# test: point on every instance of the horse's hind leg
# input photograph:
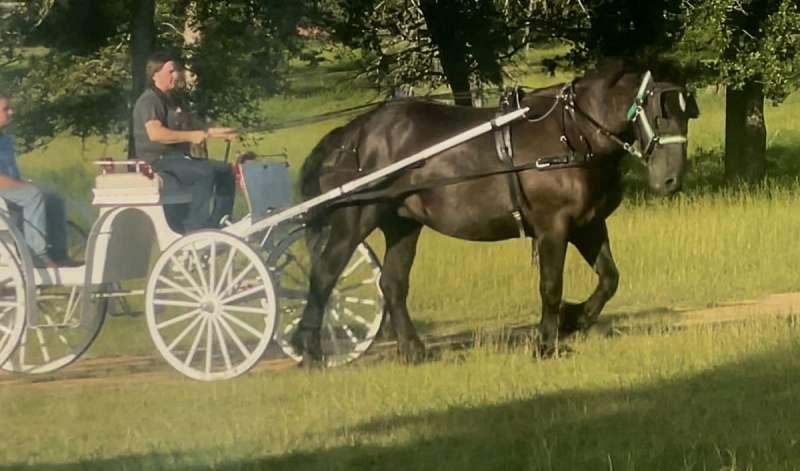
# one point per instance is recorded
(348, 227)
(592, 242)
(401, 246)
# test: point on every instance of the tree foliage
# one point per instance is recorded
(737, 41)
(72, 59)
(436, 42)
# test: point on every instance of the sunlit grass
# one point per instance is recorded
(696, 399)
(706, 398)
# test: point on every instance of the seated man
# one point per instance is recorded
(39, 209)
(163, 138)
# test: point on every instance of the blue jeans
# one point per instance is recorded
(34, 216)
(205, 179)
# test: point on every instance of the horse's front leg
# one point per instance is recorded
(552, 250)
(592, 242)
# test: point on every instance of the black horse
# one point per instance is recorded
(554, 176)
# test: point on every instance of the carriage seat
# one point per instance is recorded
(134, 188)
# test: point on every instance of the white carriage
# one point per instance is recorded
(214, 299)
(211, 297)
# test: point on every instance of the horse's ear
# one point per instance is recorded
(692, 110)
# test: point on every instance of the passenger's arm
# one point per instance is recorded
(8, 182)
(157, 132)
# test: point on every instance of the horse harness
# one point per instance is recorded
(646, 97)
(646, 104)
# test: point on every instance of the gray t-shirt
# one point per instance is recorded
(152, 107)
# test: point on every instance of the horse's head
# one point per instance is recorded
(660, 115)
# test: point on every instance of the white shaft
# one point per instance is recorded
(388, 170)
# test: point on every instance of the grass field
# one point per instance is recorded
(706, 398)
(702, 399)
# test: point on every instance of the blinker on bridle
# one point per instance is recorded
(637, 114)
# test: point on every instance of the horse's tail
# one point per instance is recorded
(311, 186)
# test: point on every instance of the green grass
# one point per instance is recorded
(706, 398)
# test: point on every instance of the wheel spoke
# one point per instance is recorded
(180, 318)
(242, 324)
(212, 264)
(361, 259)
(357, 318)
(334, 341)
(223, 346)
(354, 300)
(184, 333)
(243, 294)
(72, 303)
(226, 270)
(169, 302)
(179, 264)
(236, 280)
(239, 344)
(42, 345)
(288, 293)
(291, 326)
(180, 289)
(247, 309)
(199, 266)
(193, 350)
(209, 343)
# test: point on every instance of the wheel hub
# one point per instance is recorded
(208, 306)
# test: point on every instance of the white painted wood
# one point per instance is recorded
(210, 305)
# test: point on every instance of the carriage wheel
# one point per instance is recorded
(354, 312)
(12, 303)
(61, 335)
(76, 242)
(210, 306)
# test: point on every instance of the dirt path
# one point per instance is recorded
(112, 371)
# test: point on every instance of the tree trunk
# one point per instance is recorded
(143, 38)
(439, 18)
(745, 134)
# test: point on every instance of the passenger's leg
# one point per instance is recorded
(56, 215)
(34, 227)
(224, 191)
(198, 177)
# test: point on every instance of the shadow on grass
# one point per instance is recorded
(739, 416)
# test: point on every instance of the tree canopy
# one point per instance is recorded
(72, 59)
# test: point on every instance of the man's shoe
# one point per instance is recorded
(43, 261)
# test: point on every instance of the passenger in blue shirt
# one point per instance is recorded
(32, 200)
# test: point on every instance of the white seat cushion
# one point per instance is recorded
(135, 188)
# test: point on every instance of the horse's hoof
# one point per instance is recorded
(572, 318)
(411, 351)
(550, 351)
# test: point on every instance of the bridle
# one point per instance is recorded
(649, 98)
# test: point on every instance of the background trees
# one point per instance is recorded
(81, 63)
(752, 48)
(77, 65)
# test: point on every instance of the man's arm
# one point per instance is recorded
(9, 182)
(157, 132)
